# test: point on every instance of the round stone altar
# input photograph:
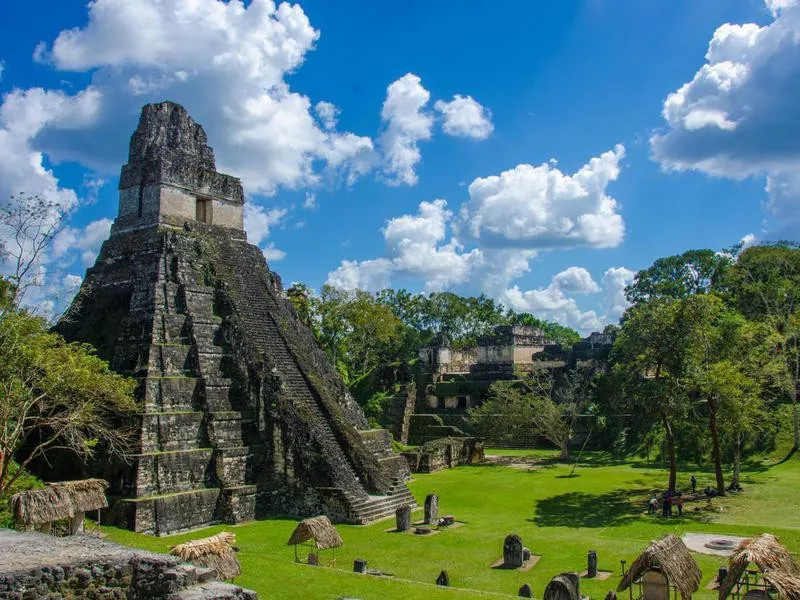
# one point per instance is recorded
(712, 543)
(721, 544)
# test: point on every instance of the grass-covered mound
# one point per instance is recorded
(601, 507)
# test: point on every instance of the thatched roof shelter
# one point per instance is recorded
(670, 556)
(772, 558)
(215, 552)
(319, 530)
(786, 584)
(60, 500)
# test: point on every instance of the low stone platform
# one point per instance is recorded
(704, 543)
(36, 565)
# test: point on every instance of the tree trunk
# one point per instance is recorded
(737, 458)
(716, 455)
(670, 440)
(564, 445)
(795, 421)
(796, 444)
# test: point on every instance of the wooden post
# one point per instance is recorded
(76, 523)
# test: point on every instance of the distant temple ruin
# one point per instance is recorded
(449, 381)
(508, 349)
(508, 352)
(242, 413)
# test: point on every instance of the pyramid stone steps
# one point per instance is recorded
(269, 338)
(176, 471)
(167, 431)
(237, 464)
(164, 514)
(170, 329)
(231, 429)
(171, 359)
(170, 394)
(239, 402)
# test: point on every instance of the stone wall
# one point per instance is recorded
(170, 168)
(38, 566)
(445, 453)
(398, 412)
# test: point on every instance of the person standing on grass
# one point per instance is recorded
(694, 484)
(652, 506)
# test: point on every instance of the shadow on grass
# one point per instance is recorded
(578, 509)
(598, 459)
(789, 456)
(510, 461)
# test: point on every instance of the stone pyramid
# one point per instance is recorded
(243, 415)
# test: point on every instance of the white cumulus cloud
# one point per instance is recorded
(257, 224)
(465, 117)
(541, 207)
(273, 254)
(328, 114)
(748, 240)
(739, 116)
(406, 124)
(776, 5)
(85, 242)
(371, 275)
(416, 246)
(555, 303)
(226, 62)
(576, 280)
(615, 280)
(23, 116)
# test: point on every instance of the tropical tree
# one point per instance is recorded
(711, 370)
(764, 285)
(544, 403)
(302, 298)
(507, 414)
(648, 363)
(331, 319)
(693, 272)
(357, 332)
(55, 395)
(375, 334)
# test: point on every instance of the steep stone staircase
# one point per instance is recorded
(265, 336)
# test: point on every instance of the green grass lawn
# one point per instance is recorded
(561, 517)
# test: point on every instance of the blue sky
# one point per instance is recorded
(540, 152)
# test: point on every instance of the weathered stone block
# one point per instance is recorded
(512, 551)
(431, 509)
(403, 518)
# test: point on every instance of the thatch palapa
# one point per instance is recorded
(61, 500)
(214, 552)
(318, 530)
(671, 556)
(786, 584)
(772, 558)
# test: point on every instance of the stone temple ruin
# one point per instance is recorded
(449, 381)
(242, 413)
